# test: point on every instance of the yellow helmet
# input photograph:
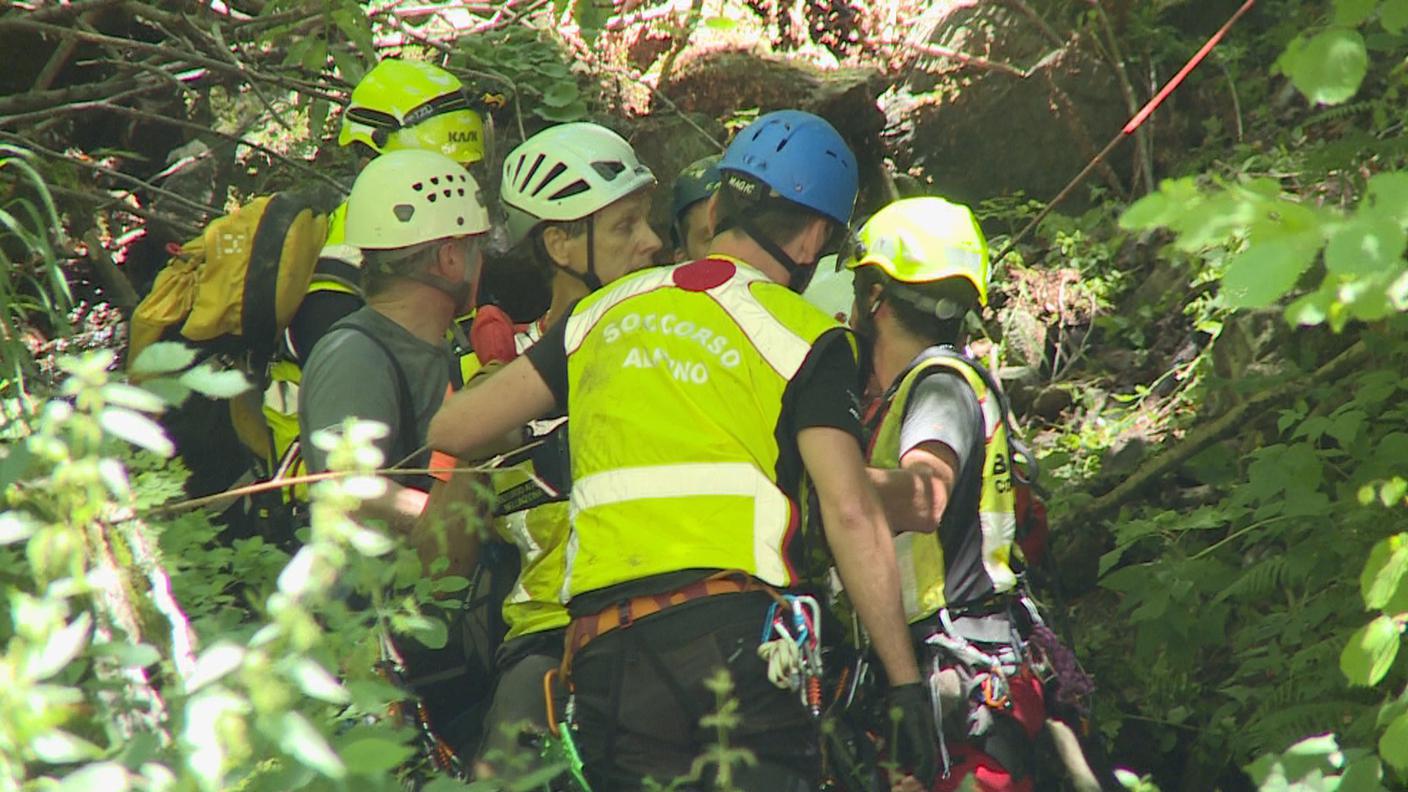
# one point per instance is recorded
(403, 104)
(922, 240)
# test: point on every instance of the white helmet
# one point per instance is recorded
(566, 173)
(832, 289)
(403, 198)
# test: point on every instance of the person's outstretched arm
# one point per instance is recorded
(473, 423)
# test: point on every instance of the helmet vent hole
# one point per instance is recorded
(447, 192)
(557, 170)
(459, 220)
(527, 177)
(609, 170)
(418, 186)
(461, 191)
(403, 212)
(435, 180)
(782, 143)
(575, 188)
(431, 197)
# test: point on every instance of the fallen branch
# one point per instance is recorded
(197, 59)
(108, 203)
(119, 175)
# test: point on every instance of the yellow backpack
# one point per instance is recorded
(235, 288)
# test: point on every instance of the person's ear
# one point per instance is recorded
(557, 242)
(711, 212)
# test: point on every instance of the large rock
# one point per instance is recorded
(1027, 117)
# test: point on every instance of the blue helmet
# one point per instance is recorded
(698, 181)
(802, 158)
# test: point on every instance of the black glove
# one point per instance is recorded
(915, 750)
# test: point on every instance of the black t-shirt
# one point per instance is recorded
(822, 394)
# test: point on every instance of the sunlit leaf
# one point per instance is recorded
(60, 650)
(163, 357)
(1384, 570)
(133, 398)
(304, 743)
(216, 384)
(1261, 274)
(1370, 652)
(314, 680)
(136, 429)
(1328, 67)
(102, 777)
(1367, 245)
(1352, 12)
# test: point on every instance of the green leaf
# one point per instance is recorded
(314, 680)
(60, 747)
(136, 429)
(1370, 652)
(720, 23)
(429, 631)
(133, 398)
(61, 648)
(1351, 13)
(171, 391)
(306, 744)
(348, 65)
(317, 118)
(1367, 245)
(1393, 745)
(1261, 274)
(1388, 562)
(374, 755)
(1313, 308)
(1329, 67)
(15, 526)
(1388, 193)
(316, 56)
(561, 94)
(216, 384)
(1362, 774)
(102, 777)
(1393, 15)
(138, 655)
(1393, 491)
(448, 584)
(163, 357)
(591, 15)
(570, 112)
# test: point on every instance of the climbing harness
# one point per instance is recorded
(412, 711)
(794, 655)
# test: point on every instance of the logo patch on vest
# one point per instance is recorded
(703, 275)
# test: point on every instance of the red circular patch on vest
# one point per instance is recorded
(704, 274)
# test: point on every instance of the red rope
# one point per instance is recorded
(1192, 64)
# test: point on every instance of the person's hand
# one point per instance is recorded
(916, 748)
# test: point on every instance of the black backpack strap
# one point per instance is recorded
(403, 389)
(1030, 470)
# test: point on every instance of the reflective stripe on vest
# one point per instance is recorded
(675, 395)
(921, 556)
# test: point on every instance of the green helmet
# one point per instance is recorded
(698, 181)
(403, 105)
(923, 240)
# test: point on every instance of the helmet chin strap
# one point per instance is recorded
(589, 279)
(798, 276)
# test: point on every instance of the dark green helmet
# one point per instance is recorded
(698, 181)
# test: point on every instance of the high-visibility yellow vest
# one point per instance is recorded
(539, 532)
(675, 396)
(921, 556)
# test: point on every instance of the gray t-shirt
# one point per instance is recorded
(347, 374)
(943, 407)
